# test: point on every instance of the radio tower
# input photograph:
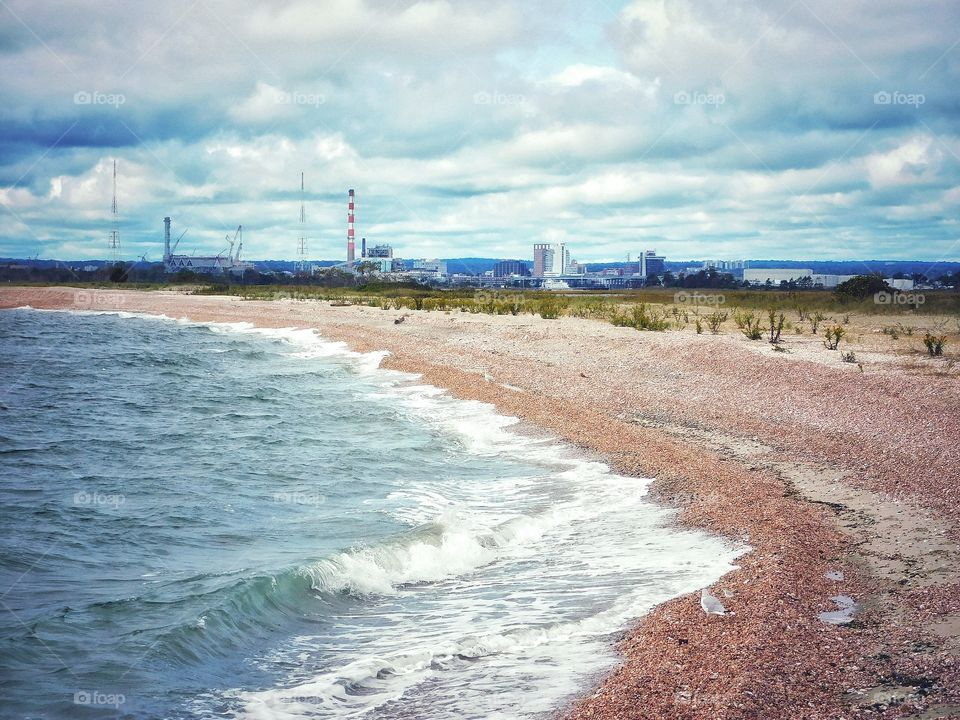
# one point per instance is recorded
(115, 230)
(302, 244)
(351, 247)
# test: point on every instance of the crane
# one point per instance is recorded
(174, 248)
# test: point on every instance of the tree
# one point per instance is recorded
(862, 286)
(118, 273)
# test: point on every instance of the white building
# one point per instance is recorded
(550, 259)
(760, 276)
(431, 265)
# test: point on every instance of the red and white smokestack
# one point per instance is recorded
(351, 246)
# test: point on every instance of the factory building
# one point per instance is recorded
(225, 262)
(775, 276)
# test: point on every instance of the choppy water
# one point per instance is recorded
(205, 520)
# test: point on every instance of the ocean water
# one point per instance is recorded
(203, 520)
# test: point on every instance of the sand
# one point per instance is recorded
(844, 480)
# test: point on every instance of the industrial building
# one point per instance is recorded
(435, 266)
(225, 262)
(775, 276)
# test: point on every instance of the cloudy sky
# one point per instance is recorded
(703, 129)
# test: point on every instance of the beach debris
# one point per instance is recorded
(400, 319)
(728, 593)
(488, 377)
(711, 605)
(833, 575)
(846, 608)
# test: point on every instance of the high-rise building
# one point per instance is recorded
(542, 259)
(550, 259)
(506, 268)
(651, 263)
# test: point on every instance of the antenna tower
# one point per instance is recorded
(115, 227)
(302, 243)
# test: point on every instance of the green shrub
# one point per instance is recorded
(715, 320)
(776, 325)
(751, 327)
(549, 309)
(934, 343)
(832, 337)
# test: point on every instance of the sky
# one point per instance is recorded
(789, 129)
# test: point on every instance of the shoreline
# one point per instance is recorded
(816, 489)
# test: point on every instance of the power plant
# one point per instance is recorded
(222, 263)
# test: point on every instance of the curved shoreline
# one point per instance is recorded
(688, 419)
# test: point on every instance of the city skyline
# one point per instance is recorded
(791, 131)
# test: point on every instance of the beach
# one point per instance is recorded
(841, 478)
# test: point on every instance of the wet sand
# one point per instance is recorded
(845, 481)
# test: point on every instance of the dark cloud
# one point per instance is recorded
(474, 128)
